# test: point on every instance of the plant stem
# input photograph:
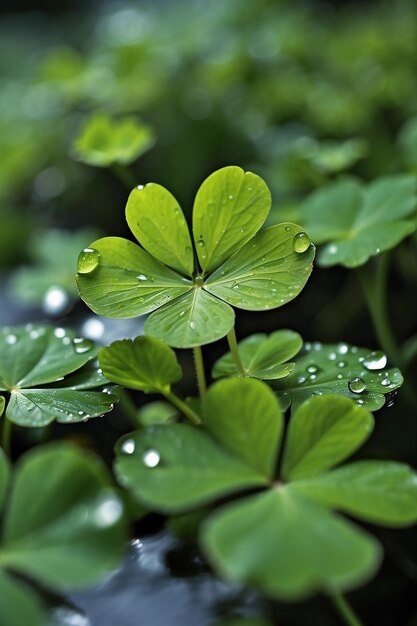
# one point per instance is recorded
(128, 406)
(345, 610)
(199, 368)
(125, 175)
(184, 408)
(6, 436)
(231, 338)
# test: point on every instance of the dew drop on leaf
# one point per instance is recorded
(88, 261)
(375, 360)
(301, 242)
(11, 339)
(357, 385)
(82, 345)
(200, 243)
(151, 458)
(128, 446)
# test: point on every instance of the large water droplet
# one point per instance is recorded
(88, 261)
(357, 385)
(151, 458)
(128, 446)
(375, 360)
(301, 242)
(199, 281)
(82, 345)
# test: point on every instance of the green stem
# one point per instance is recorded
(345, 610)
(184, 408)
(6, 435)
(231, 338)
(128, 406)
(125, 175)
(199, 368)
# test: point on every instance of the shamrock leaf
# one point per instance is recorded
(104, 140)
(262, 356)
(286, 541)
(41, 370)
(339, 369)
(368, 220)
(191, 301)
(71, 536)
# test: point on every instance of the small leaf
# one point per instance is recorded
(104, 140)
(4, 477)
(244, 416)
(158, 223)
(287, 546)
(194, 319)
(322, 369)
(263, 356)
(146, 364)
(19, 604)
(177, 467)
(266, 273)
(157, 412)
(321, 433)
(229, 208)
(128, 281)
(65, 531)
(381, 492)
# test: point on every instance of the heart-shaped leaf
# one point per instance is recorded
(146, 364)
(262, 356)
(368, 220)
(340, 369)
(321, 434)
(19, 604)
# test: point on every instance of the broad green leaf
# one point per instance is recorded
(127, 281)
(90, 376)
(4, 477)
(263, 356)
(157, 412)
(287, 546)
(178, 467)
(158, 223)
(194, 319)
(39, 407)
(229, 208)
(322, 369)
(321, 433)
(382, 492)
(245, 417)
(103, 140)
(19, 604)
(64, 525)
(368, 220)
(146, 364)
(266, 273)
(35, 355)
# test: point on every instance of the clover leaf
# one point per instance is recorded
(104, 141)
(192, 299)
(42, 375)
(63, 533)
(341, 369)
(262, 356)
(357, 222)
(285, 539)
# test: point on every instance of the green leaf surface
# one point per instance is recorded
(368, 220)
(323, 432)
(19, 604)
(64, 525)
(287, 546)
(194, 319)
(158, 223)
(90, 376)
(244, 416)
(229, 208)
(382, 492)
(178, 467)
(146, 364)
(104, 140)
(38, 407)
(322, 369)
(157, 412)
(4, 476)
(128, 281)
(262, 356)
(266, 273)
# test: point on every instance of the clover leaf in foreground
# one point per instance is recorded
(63, 533)
(341, 369)
(285, 538)
(192, 285)
(46, 375)
(357, 222)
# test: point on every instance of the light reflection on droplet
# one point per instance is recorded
(151, 458)
(128, 446)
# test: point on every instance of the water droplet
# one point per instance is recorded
(339, 376)
(198, 281)
(11, 339)
(301, 242)
(182, 313)
(235, 287)
(128, 446)
(108, 512)
(357, 385)
(375, 360)
(230, 197)
(312, 369)
(140, 187)
(142, 277)
(55, 301)
(385, 382)
(93, 328)
(59, 332)
(342, 349)
(287, 229)
(332, 249)
(200, 243)
(88, 261)
(341, 364)
(332, 356)
(301, 380)
(82, 345)
(151, 458)
(192, 325)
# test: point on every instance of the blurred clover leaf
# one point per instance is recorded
(330, 157)
(104, 141)
(357, 222)
(193, 289)
(62, 534)
(285, 540)
(262, 356)
(43, 378)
